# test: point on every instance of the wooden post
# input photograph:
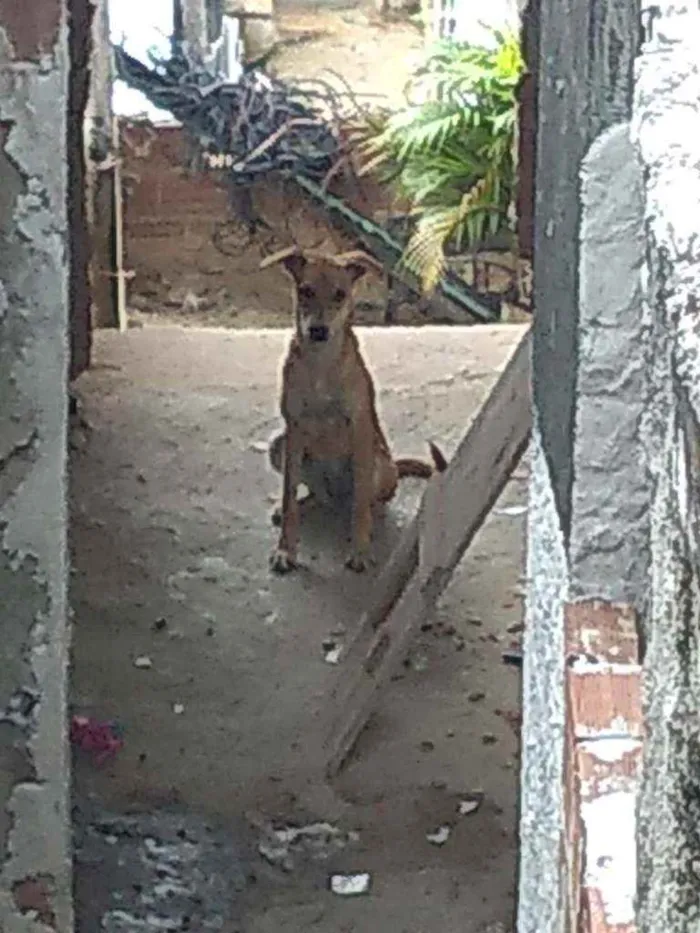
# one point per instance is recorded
(453, 509)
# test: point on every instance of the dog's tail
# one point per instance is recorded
(409, 466)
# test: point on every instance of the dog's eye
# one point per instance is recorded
(339, 295)
(306, 292)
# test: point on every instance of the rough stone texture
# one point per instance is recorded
(542, 761)
(585, 296)
(609, 541)
(35, 877)
(667, 118)
(585, 86)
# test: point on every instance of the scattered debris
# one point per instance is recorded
(512, 657)
(143, 662)
(470, 804)
(351, 885)
(282, 845)
(440, 836)
(100, 739)
(488, 738)
(331, 651)
(168, 871)
(21, 707)
(512, 511)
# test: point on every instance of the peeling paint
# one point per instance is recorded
(610, 853)
(35, 875)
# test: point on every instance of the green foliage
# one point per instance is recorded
(452, 151)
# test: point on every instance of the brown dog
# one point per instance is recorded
(333, 441)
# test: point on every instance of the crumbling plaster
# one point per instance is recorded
(665, 126)
(35, 872)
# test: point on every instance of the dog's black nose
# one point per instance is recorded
(318, 333)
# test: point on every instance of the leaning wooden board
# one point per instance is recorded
(453, 509)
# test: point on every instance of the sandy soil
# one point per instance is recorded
(170, 536)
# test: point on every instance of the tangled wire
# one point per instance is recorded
(260, 123)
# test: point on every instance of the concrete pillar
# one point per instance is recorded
(35, 867)
(666, 127)
(588, 519)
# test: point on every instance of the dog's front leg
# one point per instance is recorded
(363, 496)
(284, 558)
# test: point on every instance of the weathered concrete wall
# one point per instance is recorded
(588, 536)
(666, 125)
(35, 873)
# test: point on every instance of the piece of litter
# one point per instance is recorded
(100, 739)
(271, 618)
(303, 492)
(349, 885)
(512, 511)
(512, 657)
(468, 806)
(143, 662)
(332, 655)
(439, 837)
(260, 447)
(178, 709)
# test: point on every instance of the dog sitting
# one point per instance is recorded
(333, 442)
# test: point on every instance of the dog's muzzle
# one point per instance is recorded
(318, 333)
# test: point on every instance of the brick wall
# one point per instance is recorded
(172, 219)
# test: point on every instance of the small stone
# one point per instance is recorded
(458, 642)
(468, 805)
(475, 696)
(143, 662)
(488, 738)
(515, 628)
(178, 709)
(351, 885)
(159, 624)
(439, 837)
(427, 746)
(474, 621)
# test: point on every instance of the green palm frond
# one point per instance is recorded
(453, 151)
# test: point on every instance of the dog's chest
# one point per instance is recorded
(319, 396)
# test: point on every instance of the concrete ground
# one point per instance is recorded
(171, 497)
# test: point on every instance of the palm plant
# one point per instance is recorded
(452, 151)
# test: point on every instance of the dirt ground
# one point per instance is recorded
(376, 58)
(216, 671)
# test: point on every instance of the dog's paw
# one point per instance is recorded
(281, 561)
(358, 562)
(276, 516)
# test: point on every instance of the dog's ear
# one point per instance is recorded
(357, 270)
(295, 265)
(359, 263)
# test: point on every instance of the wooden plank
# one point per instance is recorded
(470, 486)
(478, 451)
(121, 274)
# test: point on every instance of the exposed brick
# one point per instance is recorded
(32, 28)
